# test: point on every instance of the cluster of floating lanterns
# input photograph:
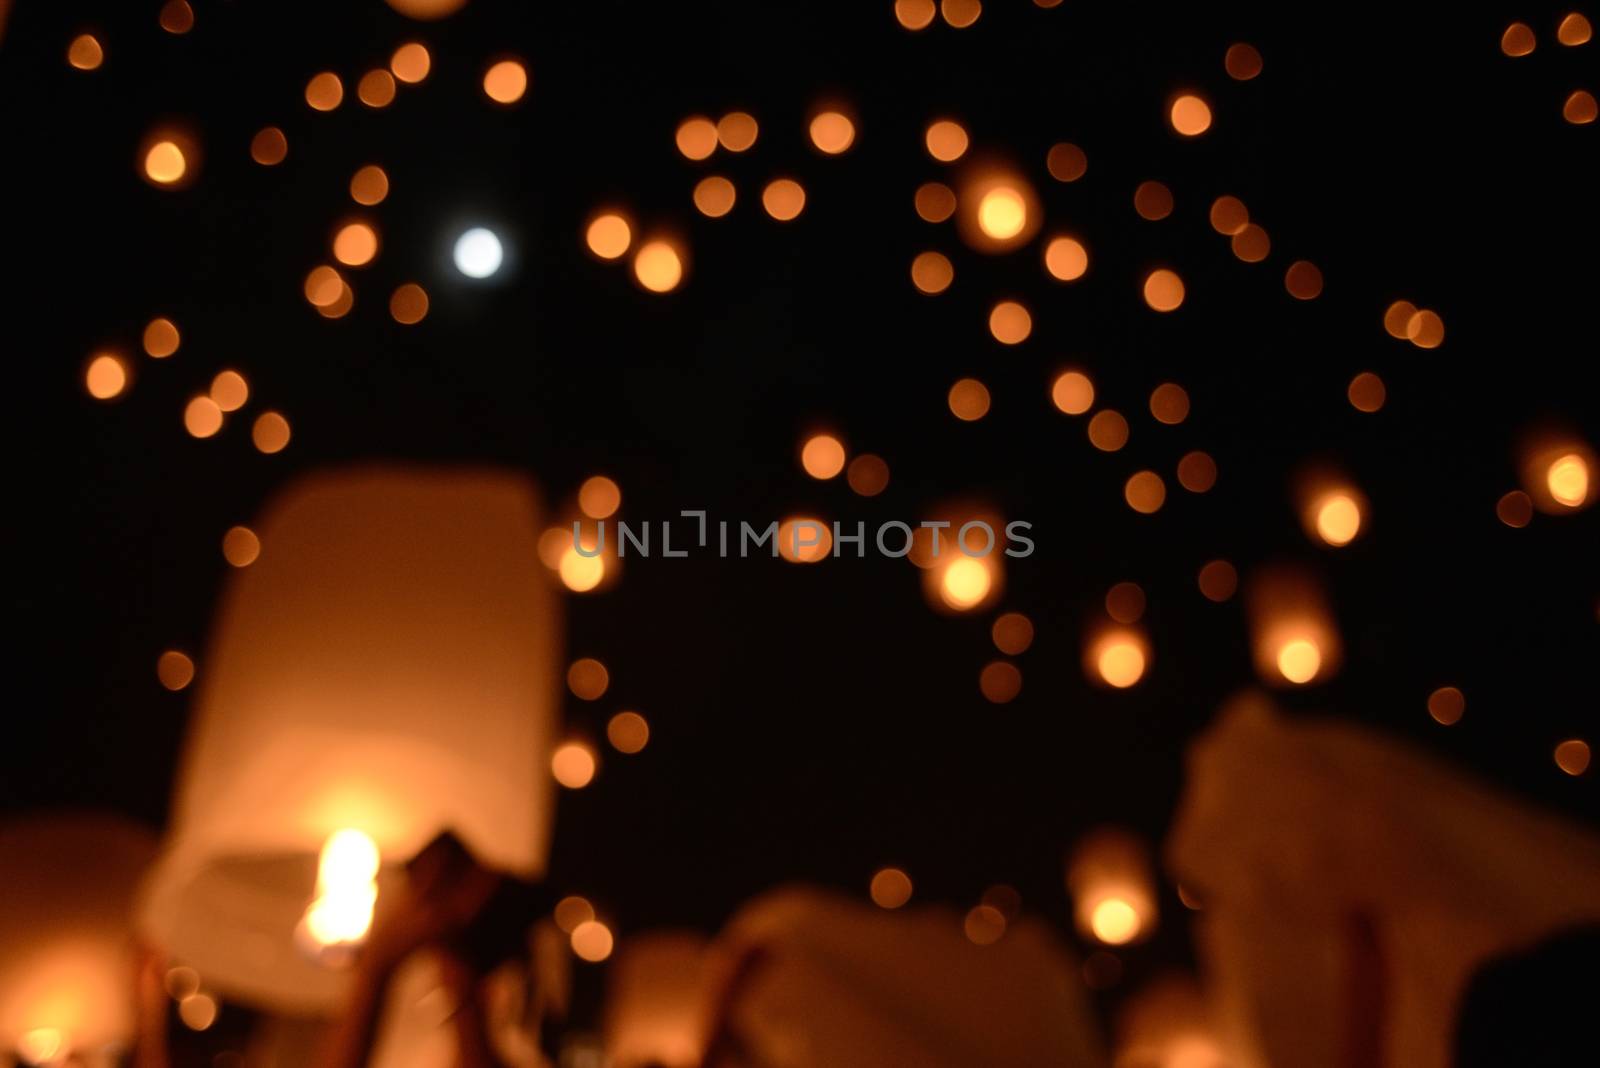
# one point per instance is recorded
(1574, 29)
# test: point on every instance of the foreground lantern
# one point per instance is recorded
(654, 1013)
(385, 671)
(1113, 890)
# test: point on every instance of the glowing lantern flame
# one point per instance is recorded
(347, 889)
(1292, 629)
(1112, 888)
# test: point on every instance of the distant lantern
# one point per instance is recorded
(505, 82)
(1558, 472)
(1112, 887)
(656, 987)
(67, 948)
(1117, 656)
(1293, 635)
(1332, 509)
(1190, 115)
(387, 669)
(478, 253)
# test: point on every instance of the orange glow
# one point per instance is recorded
(1338, 519)
(176, 17)
(1012, 633)
(935, 202)
(914, 14)
(946, 140)
(1000, 682)
(588, 679)
(505, 82)
(174, 670)
(1072, 392)
(1515, 509)
(697, 137)
(1152, 200)
(965, 582)
(1574, 30)
(608, 236)
(198, 1011)
(891, 888)
(657, 266)
(737, 131)
(1169, 403)
(1580, 108)
(592, 941)
(784, 199)
(376, 89)
(599, 497)
(1558, 472)
(1145, 492)
(202, 418)
(573, 765)
(1229, 215)
(1299, 660)
(1425, 329)
(1251, 244)
(1114, 922)
(1125, 602)
(961, 13)
(1572, 756)
(1446, 705)
(269, 147)
(408, 304)
(1066, 259)
(355, 245)
(164, 163)
(1190, 115)
(932, 272)
(341, 306)
(411, 63)
(270, 432)
(1010, 323)
(714, 196)
(1397, 317)
(369, 185)
(628, 732)
(1568, 480)
(1331, 509)
(1242, 62)
(804, 540)
(822, 456)
(1163, 290)
(324, 91)
(999, 210)
(1367, 392)
(1218, 581)
(1197, 472)
(229, 390)
(1066, 162)
(1002, 213)
(1303, 280)
(570, 911)
(832, 132)
(1118, 657)
(580, 573)
(1518, 40)
(85, 52)
(969, 400)
(1292, 632)
(240, 546)
(1108, 430)
(868, 475)
(106, 376)
(985, 925)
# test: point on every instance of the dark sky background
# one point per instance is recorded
(814, 723)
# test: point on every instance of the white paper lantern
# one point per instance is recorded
(387, 665)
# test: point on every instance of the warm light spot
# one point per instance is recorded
(347, 889)
(1152, 200)
(240, 546)
(891, 888)
(164, 163)
(181, 981)
(1397, 318)
(376, 89)
(570, 911)
(1114, 922)
(1002, 213)
(106, 376)
(505, 82)
(1066, 259)
(1242, 62)
(1229, 215)
(832, 132)
(1338, 519)
(1120, 660)
(592, 941)
(1518, 40)
(85, 52)
(1066, 162)
(737, 131)
(1000, 682)
(341, 306)
(1010, 323)
(1303, 280)
(324, 91)
(1446, 705)
(1108, 430)
(229, 390)
(985, 925)
(1218, 581)
(1572, 756)
(714, 196)
(1299, 660)
(608, 236)
(1169, 403)
(658, 267)
(1574, 30)
(868, 475)
(784, 199)
(804, 540)
(176, 17)
(573, 765)
(697, 137)
(1190, 115)
(408, 304)
(355, 244)
(202, 418)
(946, 140)
(965, 583)
(1163, 290)
(1568, 480)
(1145, 492)
(822, 456)
(969, 400)
(1012, 633)
(160, 338)
(270, 433)
(588, 679)
(580, 573)
(369, 185)
(1125, 602)
(41, 1045)
(932, 272)
(1072, 393)
(961, 13)
(1515, 509)
(174, 670)
(599, 497)
(1251, 244)
(914, 14)
(411, 62)
(1580, 108)
(198, 1011)
(628, 732)
(269, 147)
(935, 202)
(1197, 472)
(1425, 329)
(1367, 392)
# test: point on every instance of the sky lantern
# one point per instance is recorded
(997, 209)
(1332, 508)
(962, 560)
(1293, 634)
(387, 671)
(654, 1013)
(1559, 472)
(1112, 887)
(67, 960)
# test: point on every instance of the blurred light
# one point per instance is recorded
(1568, 480)
(270, 432)
(935, 202)
(164, 163)
(1114, 922)
(1125, 602)
(628, 732)
(1446, 705)
(198, 1011)
(965, 582)
(408, 304)
(1010, 323)
(347, 872)
(85, 52)
(1229, 215)
(1108, 430)
(1574, 30)
(478, 253)
(608, 235)
(1303, 280)
(341, 305)
(573, 765)
(968, 400)
(1118, 657)
(1397, 318)
(588, 678)
(822, 456)
(580, 573)
(697, 137)
(411, 62)
(1518, 40)
(1190, 115)
(1152, 200)
(42, 1045)
(427, 9)
(1163, 290)
(202, 418)
(1299, 660)
(946, 140)
(1072, 392)
(572, 910)
(1145, 492)
(1557, 472)
(376, 89)
(1012, 633)
(1169, 403)
(868, 475)
(999, 210)
(932, 272)
(832, 132)
(961, 13)
(657, 266)
(1242, 62)
(176, 17)
(1218, 581)
(784, 199)
(356, 244)
(1000, 682)
(1292, 630)
(891, 888)
(1515, 509)
(1425, 329)
(1337, 518)
(174, 670)
(1251, 244)
(804, 540)
(1066, 259)
(1197, 472)
(1367, 392)
(914, 14)
(1066, 162)
(181, 981)
(1572, 756)
(240, 546)
(229, 390)
(106, 376)
(714, 196)
(505, 82)
(737, 131)
(369, 185)
(1002, 213)
(324, 91)
(599, 497)
(985, 924)
(592, 941)
(269, 147)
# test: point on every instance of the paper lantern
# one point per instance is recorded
(655, 1001)
(1167, 1024)
(1292, 631)
(388, 666)
(66, 946)
(1112, 887)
